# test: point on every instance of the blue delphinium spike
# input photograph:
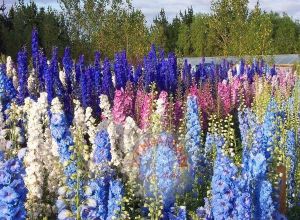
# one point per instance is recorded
(22, 75)
(193, 136)
(107, 84)
(119, 72)
(116, 192)
(150, 65)
(12, 189)
(35, 48)
(97, 190)
(7, 90)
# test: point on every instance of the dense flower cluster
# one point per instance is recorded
(158, 140)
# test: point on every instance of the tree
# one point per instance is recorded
(159, 30)
(199, 34)
(285, 34)
(227, 25)
(259, 39)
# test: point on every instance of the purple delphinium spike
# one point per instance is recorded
(22, 75)
(107, 84)
(35, 48)
(150, 65)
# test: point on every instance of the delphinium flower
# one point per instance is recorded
(235, 89)
(79, 132)
(113, 130)
(22, 75)
(137, 74)
(97, 189)
(90, 122)
(158, 117)
(131, 135)
(150, 65)
(35, 171)
(120, 72)
(12, 189)
(172, 60)
(7, 90)
(10, 68)
(138, 105)
(116, 191)
(33, 84)
(178, 111)
(266, 208)
(224, 97)
(105, 107)
(118, 108)
(160, 171)
(205, 212)
(49, 82)
(115, 136)
(180, 215)
(35, 48)
(269, 128)
(68, 68)
(292, 156)
(193, 136)
(107, 84)
(68, 199)
(57, 84)
(2, 131)
(223, 186)
(48, 153)
(206, 102)
(129, 99)
(14, 131)
(186, 74)
(146, 112)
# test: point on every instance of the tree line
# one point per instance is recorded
(109, 26)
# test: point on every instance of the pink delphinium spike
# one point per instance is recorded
(146, 111)
(193, 91)
(224, 95)
(129, 100)
(206, 102)
(138, 105)
(178, 112)
(118, 108)
(164, 97)
(235, 88)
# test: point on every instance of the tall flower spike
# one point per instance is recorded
(12, 190)
(22, 75)
(193, 136)
(35, 48)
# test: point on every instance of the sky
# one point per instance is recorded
(152, 7)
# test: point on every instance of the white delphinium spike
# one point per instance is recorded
(2, 131)
(50, 156)
(90, 122)
(79, 130)
(35, 172)
(32, 82)
(10, 70)
(62, 77)
(105, 107)
(130, 137)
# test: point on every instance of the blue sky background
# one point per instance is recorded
(151, 7)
